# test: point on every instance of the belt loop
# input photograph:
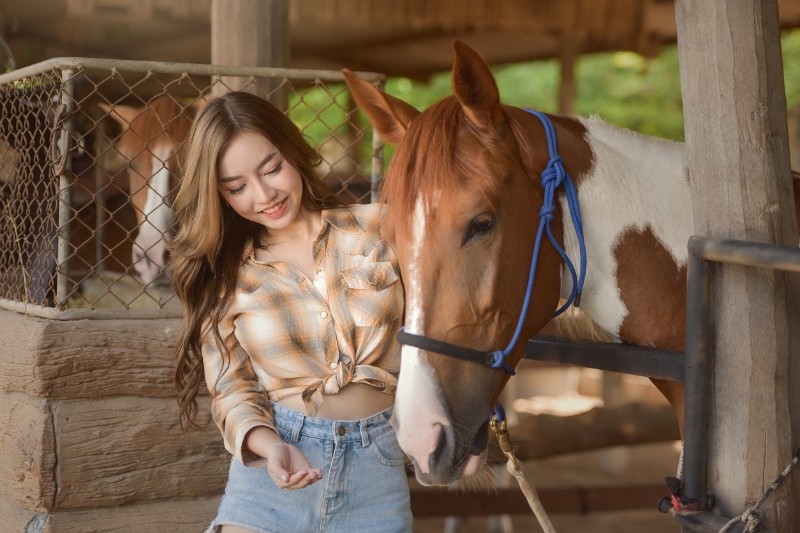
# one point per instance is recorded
(298, 425)
(364, 433)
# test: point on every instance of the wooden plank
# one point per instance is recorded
(176, 516)
(27, 451)
(87, 358)
(129, 449)
(19, 338)
(737, 150)
(432, 502)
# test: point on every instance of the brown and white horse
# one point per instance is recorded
(464, 196)
(151, 142)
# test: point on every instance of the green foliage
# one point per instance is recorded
(631, 91)
(622, 88)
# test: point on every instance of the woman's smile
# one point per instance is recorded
(277, 210)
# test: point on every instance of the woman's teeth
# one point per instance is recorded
(274, 208)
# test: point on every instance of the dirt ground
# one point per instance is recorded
(618, 466)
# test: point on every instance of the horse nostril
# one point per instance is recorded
(442, 444)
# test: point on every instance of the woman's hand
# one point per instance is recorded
(287, 466)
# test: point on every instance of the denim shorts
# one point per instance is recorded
(364, 487)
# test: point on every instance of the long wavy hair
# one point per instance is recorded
(209, 246)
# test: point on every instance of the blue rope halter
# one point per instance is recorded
(553, 176)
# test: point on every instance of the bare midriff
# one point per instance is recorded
(353, 402)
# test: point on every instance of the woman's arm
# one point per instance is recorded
(287, 466)
(241, 409)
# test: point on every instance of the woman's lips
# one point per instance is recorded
(277, 210)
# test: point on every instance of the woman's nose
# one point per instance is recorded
(265, 192)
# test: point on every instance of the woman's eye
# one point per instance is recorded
(237, 190)
(480, 225)
(274, 170)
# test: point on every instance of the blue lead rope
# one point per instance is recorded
(553, 176)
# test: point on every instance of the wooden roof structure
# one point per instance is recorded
(410, 38)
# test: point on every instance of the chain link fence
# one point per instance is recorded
(89, 161)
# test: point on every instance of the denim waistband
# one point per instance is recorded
(298, 424)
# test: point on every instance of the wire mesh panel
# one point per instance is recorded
(90, 159)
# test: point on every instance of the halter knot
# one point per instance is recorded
(546, 212)
(553, 174)
(499, 361)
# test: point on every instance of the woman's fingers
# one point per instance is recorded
(302, 479)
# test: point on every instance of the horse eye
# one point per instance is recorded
(480, 225)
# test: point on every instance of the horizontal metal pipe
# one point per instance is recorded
(614, 357)
(160, 67)
(704, 522)
(52, 313)
(746, 253)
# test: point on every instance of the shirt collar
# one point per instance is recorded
(342, 219)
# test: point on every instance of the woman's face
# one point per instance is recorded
(258, 183)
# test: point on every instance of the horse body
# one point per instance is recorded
(636, 202)
(465, 194)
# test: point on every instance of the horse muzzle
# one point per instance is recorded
(455, 456)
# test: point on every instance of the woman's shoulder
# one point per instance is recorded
(364, 217)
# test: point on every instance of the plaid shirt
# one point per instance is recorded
(289, 335)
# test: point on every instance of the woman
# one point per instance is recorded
(292, 303)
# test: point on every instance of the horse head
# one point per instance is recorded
(464, 197)
(151, 141)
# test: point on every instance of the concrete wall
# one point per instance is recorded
(89, 431)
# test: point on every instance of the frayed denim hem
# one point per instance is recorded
(216, 527)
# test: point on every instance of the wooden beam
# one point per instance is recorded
(253, 33)
(431, 502)
(736, 140)
(597, 428)
(567, 90)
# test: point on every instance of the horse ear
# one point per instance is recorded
(389, 115)
(474, 87)
(123, 114)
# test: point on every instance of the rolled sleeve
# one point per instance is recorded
(239, 402)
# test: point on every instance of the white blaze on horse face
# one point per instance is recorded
(636, 182)
(149, 248)
(418, 410)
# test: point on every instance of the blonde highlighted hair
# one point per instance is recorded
(208, 249)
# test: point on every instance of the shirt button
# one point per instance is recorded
(323, 314)
(333, 366)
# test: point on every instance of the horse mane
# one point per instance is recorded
(576, 326)
(433, 158)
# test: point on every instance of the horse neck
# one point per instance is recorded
(636, 183)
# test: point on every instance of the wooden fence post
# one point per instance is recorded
(737, 149)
